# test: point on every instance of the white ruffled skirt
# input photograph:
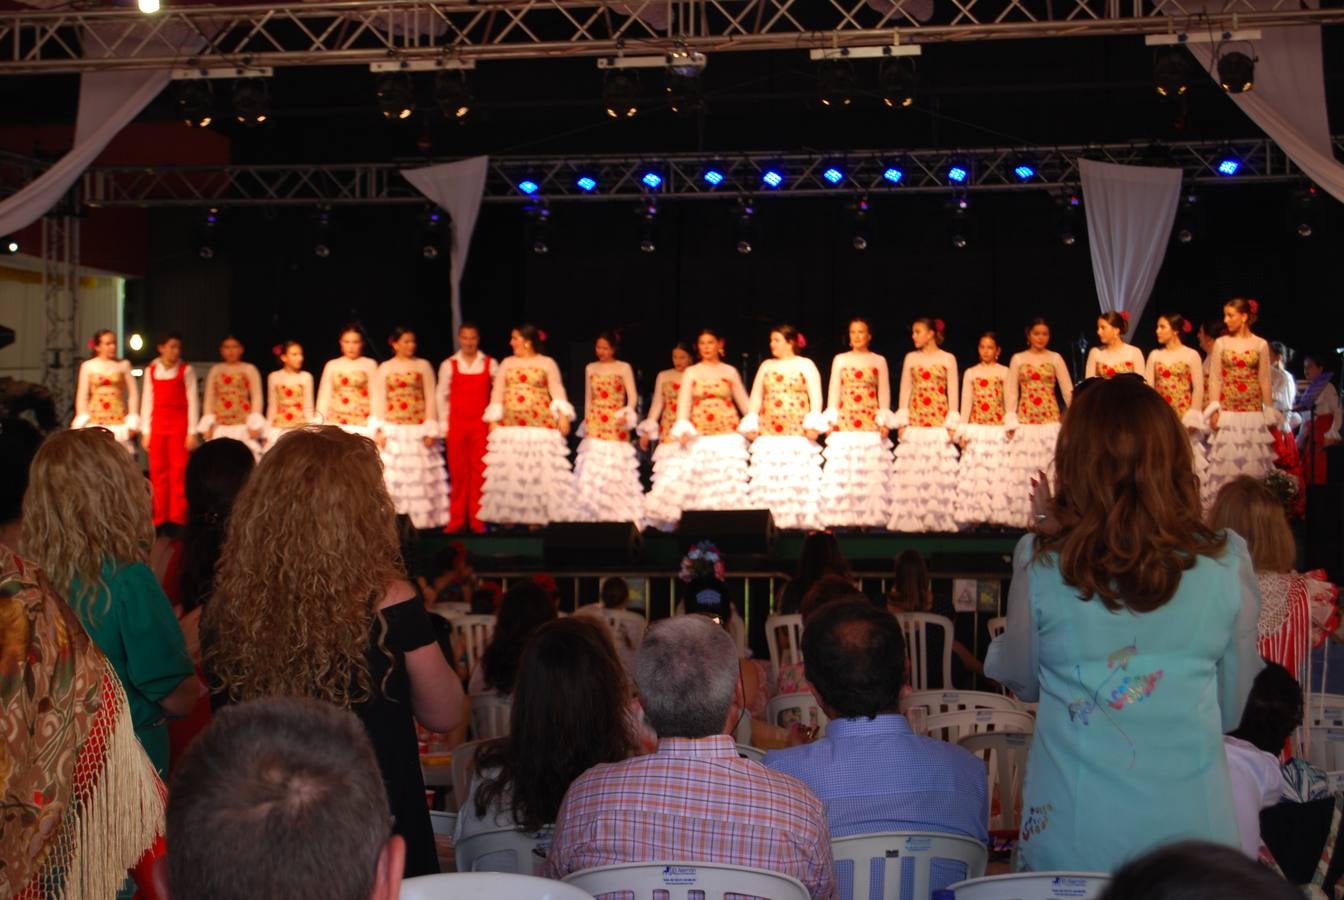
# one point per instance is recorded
(713, 475)
(415, 474)
(983, 476)
(786, 479)
(924, 481)
(856, 482)
(528, 480)
(607, 477)
(1241, 445)
(662, 504)
(121, 432)
(1031, 450)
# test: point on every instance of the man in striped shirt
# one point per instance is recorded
(694, 799)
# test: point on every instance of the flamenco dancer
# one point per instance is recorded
(233, 404)
(528, 480)
(106, 395)
(924, 478)
(983, 471)
(289, 393)
(169, 410)
(856, 482)
(783, 421)
(408, 428)
(1114, 356)
(658, 424)
(1032, 420)
(606, 469)
(1174, 371)
(345, 394)
(1239, 409)
(465, 379)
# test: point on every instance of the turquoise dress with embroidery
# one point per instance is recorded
(1128, 751)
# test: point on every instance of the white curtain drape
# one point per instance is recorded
(1130, 211)
(456, 187)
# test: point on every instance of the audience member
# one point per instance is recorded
(281, 797)
(826, 590)
(570, 712)
(526, 608)
(87, 521)
(871, 772)
(693, 799)
(311, 600)
(1195, 870)
(1134, 625)
(615, 595)
(453, 577)
(1273, 712)
(19, 441)
(912, 591)
(821, 556)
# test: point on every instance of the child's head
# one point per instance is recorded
(230, 349)
(1244, 505)
(615, 593)
(1273, 709)
(988, 348)
(910, 589)
(290, 354)
(170, 348)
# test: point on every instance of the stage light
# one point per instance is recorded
(1025, 170)
(648, 228)
(1302, 212)
(206, 242)
(957, 173)
(712, 177)
(540, 216)
(1236, 72)
(896, 81)
(195, 101)
(620, 93)
(685, 94)
(528, 186)
(862, 234)
(772, 178)
(322, 230)
(1171, 76)
(1227, 163)
(251, 101)
(10, 245)
(587, 183)
(148, 7)
(431, 234)
(835, 83)
(136, 342)
(452, 95)
(893, 174)
(959, 224)
(396, 96)
(1066, 228)
(1187, 226)
(833, 175)
(745, 211)
(652, 180)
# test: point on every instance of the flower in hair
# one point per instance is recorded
(939, 325)
(541, 334)
(93, 345)
(1124, 314)
(1185, 328)
(278, 349)
(703, 561)
(1255, 307)
(802, 341)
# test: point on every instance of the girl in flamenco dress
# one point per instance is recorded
(783, 420)
(657, 426)
(345, 395)
(289, 393)
(1113, 357)
(1239, 408)
(408, 434)
(606, 469)
(924, 479)
(856, 481)
(982, 473)
(107, 395)
(1174, 371)
(1032, 420)
(233, 402)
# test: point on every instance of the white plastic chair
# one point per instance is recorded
(490, 713)
(499, 850)
(1005, 756)
(746, 751)
(954, 726)
(681, 880)
(939, 702)
(450, 616)
(451, 608)
(915, 629)
(789, 650)
(1033, 886)
(803, 704)
(464, 763)
(476, 632)
(1325, 749)
(495, 885)
(910, 864)
(997, 626)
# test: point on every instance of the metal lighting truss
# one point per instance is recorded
(91, 37)
(682, 176)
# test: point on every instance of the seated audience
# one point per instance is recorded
(1273, 712)
(616, 595)
(827, 589)
(311, 600)
(912, 591)
(281, 798)
(821, 556)
(872, 773)
(694, 799)
(1195, 870)
(453, 577)
(526, 608)
(567, 665)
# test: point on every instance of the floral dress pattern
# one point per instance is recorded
(405, 399)
(107, 400)
(668, 418)
(350, 399)
(608, 397)
(527, 398)
(233, 399)
(1172, 381)
(712, 408)
(1241, 381)
(1036, 403)
(784, 404)
(983, 471)
(856, 408)
(928, 397)
(289, 406)
(987, 402)
(1108, 371)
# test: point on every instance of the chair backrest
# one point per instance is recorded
(1325, 748)
(905, 865)
(1033, 886)
(784, 636)
(495, 885)
(1005, 756)
(464, 762)
(450, 616)
(997, 626)
(785, 709)
(623, 622)
(476, 632)
(490, 713)
(681, 880)
(499, 850)
(443, 822)
(954, 726)
(915, 629)
(746, 751)
(938, 702)
(451, 608)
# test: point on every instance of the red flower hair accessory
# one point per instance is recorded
(278, 349)
(391, 343)
(1255, 306)
(93, 345)
(541, 334)
(939, 326)
(1185, 328)
(1124, 315)
(802, 341)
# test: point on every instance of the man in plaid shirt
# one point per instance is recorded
(694, 799)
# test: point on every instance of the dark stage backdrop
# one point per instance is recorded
(265, 285)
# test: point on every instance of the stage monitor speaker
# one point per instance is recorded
(746, 531)
(591, 543)
(1325, 529)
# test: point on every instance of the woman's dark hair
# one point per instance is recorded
(1285, 353)
(821, 556)
(992, 335)
(398, 333)
(1273, 709)
(854, 656)
(1198, 870)
(1127, 498)
(98, 335)
(216, 472)
(932, 324)
(1214, 328)
(283, 347)
(828, 589)
(863, 319)
(526, 608)
(684, 347)
(1243, 306)
(788, 333)
(166, 336)
(568, 715)
(910, 581)
(615, 592)
(611, 338)
(1177, 323)
(357, 329)
(708, 331)
(1039, 320)
(532, 334)
(1115, 320)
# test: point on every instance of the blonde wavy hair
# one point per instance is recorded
(86, 504)
(310, 549)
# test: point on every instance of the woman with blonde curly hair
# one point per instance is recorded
(88, 522)
(311, 600)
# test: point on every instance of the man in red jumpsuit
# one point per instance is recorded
(465, 379)
(169, 409)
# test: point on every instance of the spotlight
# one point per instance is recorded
(1171, 76)
(322, 229)
(772, 178)
(528, 186)
(206, 236)
(431, 235)
(1025, 170)
(896, 81)
(959, 225)
(1066, 229)
(957, 173)
(195, 102)
(862, 234)
(1227, 163)
(1187, 226)
(396, 96)
(648, 227)
(1236, 72)
(893, 174)
(1302, 212)
(148, 6)
(251, 101)
(620, 93)
(136, 342)
(452, 95)
(685, 93)
(652, 180)
(586, 183)
(745, 211)
(9, 245)
(835, 83)
(713, 177)
(540, 215)
(833, 175)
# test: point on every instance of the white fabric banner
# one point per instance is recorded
(456, 187)
(1130, 211)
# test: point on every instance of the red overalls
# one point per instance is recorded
(168, 447)
(468, 397)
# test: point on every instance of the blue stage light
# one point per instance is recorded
(1228, 165)
(893, 174)
(1024, 171)
(652, 180)
(957, 174)
(833, 175)
(713, 177)
(528, 186)
(772, 178)
(587, 184)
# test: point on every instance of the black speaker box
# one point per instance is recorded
(591, 543)
(745, 531)
(1325, 529)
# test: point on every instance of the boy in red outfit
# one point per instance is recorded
(465, 379)
(169, 409)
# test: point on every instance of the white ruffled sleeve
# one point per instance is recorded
(750, 424)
